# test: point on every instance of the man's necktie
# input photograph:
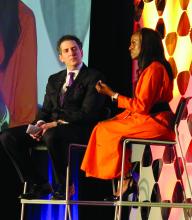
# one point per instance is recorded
(70, 82)
(71, 78)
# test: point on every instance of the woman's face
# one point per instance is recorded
(135, 47)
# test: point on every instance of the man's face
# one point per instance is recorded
(70, 54)
(135, 47)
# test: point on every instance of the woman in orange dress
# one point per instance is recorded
(147, 115)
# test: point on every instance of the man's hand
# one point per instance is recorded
(35, 131)
(47, 126)
(44, 127)
(37, 136)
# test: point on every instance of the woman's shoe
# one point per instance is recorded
(112, 198)
(130, 188)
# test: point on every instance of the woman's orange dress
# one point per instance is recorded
(104, 151)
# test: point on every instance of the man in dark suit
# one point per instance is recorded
(70, 110)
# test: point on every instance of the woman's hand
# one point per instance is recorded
(104, 89)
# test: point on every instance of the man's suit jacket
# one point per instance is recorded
(82, 102)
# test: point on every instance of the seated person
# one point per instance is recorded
(70, 110)
(146, 115)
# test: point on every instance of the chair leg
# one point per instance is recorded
(183, 160)
(66, 193)
(67, 206)
(69, 211)
(180, 174)
(116, 213)
(119, 207)
(113, 186)
(114, 191)
(23, 205)
(186, 211)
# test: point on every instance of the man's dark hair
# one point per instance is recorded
(152, 50)
(68, 37)
(9, 29)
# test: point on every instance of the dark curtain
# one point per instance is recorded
(111, 27)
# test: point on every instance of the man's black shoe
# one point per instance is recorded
(37, 191)
(59, 194)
